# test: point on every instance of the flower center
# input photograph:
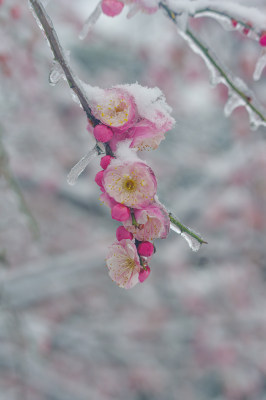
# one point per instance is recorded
(130, 264)
(129, 185)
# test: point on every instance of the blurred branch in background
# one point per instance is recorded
(6, 172)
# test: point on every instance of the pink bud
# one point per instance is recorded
(145, 249)
(105, 161)
(144, 273)
(122, 233)
(112, 7)
(98, 178)
(263, 39)
(234, 22)
(247, 29)
(120, 212)
(102, 133)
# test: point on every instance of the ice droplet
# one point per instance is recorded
(234, 101)
(193, 243)
(81, 165)
(56, 73)
(91, 21)
(260, 65)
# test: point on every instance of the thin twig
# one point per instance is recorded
(59, 56)
(184, 228)
(73, 84)
(12, 182)
(215, 63)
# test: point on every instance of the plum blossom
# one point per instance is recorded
(131, 183)
(116, 109)
(152, 223)
(123, 263)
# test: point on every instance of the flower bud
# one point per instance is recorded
(102, 133)
(120, 212)
(145, 249)
(122, 233)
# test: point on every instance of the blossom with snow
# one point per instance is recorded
(116, 109)
(123, 263)
(130, 183)
(152, 222)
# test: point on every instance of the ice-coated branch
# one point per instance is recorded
(184, 229)
(235, 85)
(46, 25)
(230, 9)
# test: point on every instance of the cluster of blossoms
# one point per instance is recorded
(131, 118)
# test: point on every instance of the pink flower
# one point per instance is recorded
(123, 263)
(146, 136)
(112, 7)
(107, 200)
(153, 223)
(132, 183)
(116, 109)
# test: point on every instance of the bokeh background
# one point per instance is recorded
(196, 329)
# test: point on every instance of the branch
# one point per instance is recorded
(12, 182)
(57, 50)
(185, 229)
(247, 98)
(59, 56)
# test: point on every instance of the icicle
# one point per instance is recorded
(175, 228)
(81, 165)
(215, 76)
(193, 243)
(56, 73)
(91, 21)
(254, 120)
(234, 101)
(261, 64)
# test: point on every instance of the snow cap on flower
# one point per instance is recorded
(123, 263)
(112, 7)
(130, 183)
(115, 108)
(153, 223)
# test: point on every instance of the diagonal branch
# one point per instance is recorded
(59, 56)
(50, 33)
(207, 53)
